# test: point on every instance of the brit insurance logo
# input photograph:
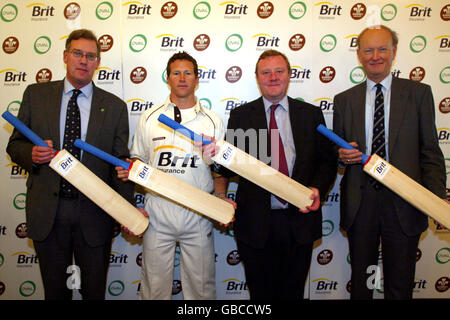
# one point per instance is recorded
(104, 10)
(325, 104)
(324, 286)
(297, 10)
(106, 75)
(175, 160)
(41, 11)
(266, 41)
(299, 74)
(234, 10)
(201, 10)
(17, 172)
(234, 286)
(351, 42)
(265, 9)
(137, 105)
(72, 11)
(418, 12)
(232, 103)
(418, 44)
(205, 74)
(26, 259)
(13, 77)
(117, 259)
(170, 42)
(234, 42)
(444, 42)
(9, 12)
(10, 45)
(328, 10)
(169, 10)
(137, 10)
(444, 135)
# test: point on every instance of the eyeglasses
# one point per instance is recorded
(78, 54)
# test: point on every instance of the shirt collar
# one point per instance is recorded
(386, 82)
(87, 90)
(283, 103)
(197, 107)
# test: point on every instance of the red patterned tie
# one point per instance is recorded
(276, 147)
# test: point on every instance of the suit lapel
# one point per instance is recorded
(397, 112)
(54, 111)
(359, 114)
(96, 116)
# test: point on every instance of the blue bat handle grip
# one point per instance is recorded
(101, 154)
(182, 129)
(27, 132)
(338, 140)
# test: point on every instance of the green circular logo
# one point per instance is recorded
(42, 45)
(9, 12)
(104, 10)
(357, 75)
(328, 43)
(202, 10)
(388, 12)
(443, 255)
(116, 288)
(234, 42)
(19, 201)
(327, 227)
(206, 103)
(138, 43)
(297, 10)
(418, 44)
(14, 107)
(444, 76)
(27, 288)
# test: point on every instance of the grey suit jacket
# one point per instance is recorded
(107, 129)
(413, 147)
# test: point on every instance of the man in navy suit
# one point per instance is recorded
(63, 225)
(274, 238)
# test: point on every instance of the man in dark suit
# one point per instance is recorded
(274, 238)
(62, 222)
(397, 122)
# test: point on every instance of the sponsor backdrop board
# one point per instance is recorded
(226, 37)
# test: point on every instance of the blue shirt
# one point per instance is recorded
(84, 103)
(370, 109)
(285, 129)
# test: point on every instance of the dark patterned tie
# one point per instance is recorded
(72, 131)
(378, 137)
(276, 147)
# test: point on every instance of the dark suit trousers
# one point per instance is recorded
(279, 270)
(376, 219)
(55, 254)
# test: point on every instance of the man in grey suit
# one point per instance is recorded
(62, 222)
(394, 118)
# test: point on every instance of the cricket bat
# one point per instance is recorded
(408, 189)
(250, 168)
(168, 186)
(71, 169)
